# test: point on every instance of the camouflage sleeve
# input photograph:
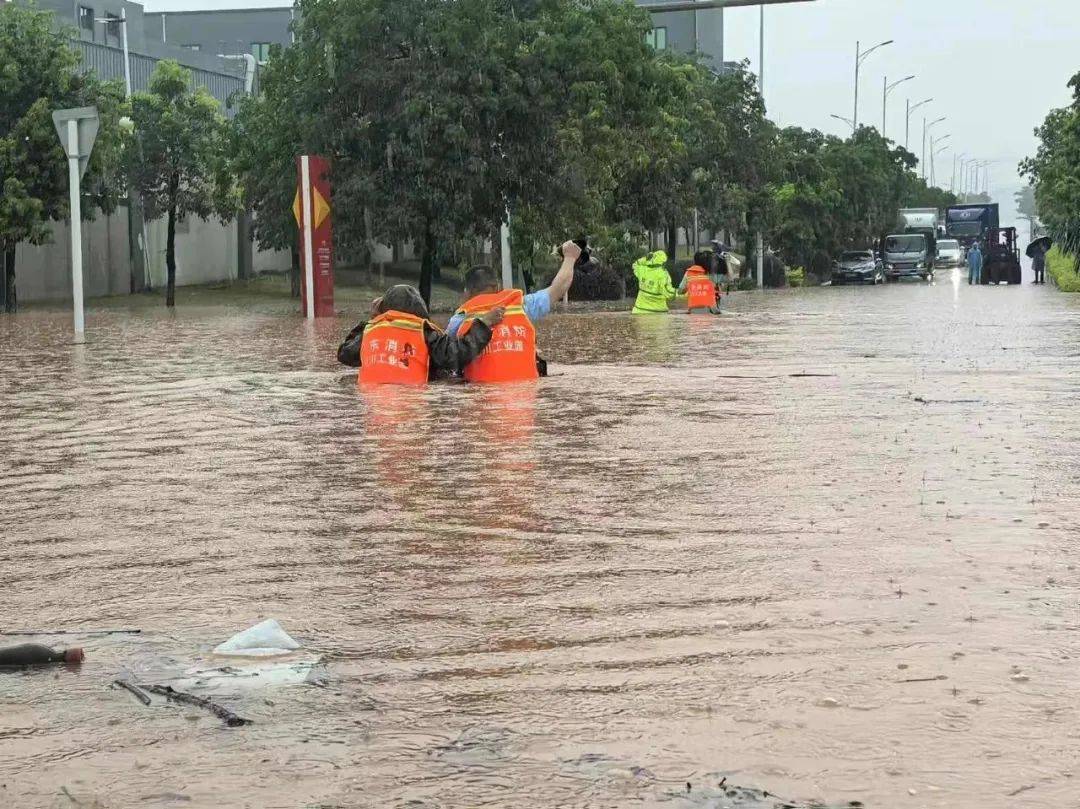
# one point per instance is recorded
(454, 353)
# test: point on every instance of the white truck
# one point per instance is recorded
(910, 251)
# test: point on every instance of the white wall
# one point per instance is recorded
(44, 273)
(206, 251)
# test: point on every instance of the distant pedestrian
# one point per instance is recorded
(975, 264)
(1038, 263)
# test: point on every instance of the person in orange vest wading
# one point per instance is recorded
(700, 286)
(511, 355)
(400, 345)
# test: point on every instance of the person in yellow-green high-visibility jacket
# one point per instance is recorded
(654, 284)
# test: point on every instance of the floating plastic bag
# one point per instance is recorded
(250, 676)
(267, 639)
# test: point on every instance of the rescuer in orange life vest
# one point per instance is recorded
(700, 286)
(400, 345)
(511, 355)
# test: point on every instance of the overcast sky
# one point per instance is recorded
(994, 67)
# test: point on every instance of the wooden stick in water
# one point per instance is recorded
(142, 696)
(167, 691)
(31, 633)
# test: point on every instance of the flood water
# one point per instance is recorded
(825, 545)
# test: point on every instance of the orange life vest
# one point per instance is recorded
(511, 354)
(700, 290)
(394, 351)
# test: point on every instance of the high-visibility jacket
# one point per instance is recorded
(654, 283)
(700, 290)
(394, 350)
(511, 354)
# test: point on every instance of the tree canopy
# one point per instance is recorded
(1055, 173)
(179, 162)
(38, 76)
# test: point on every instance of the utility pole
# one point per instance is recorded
(922, 160)
(761, 92)
(934, 151)
(855, 116)
(136, 223)
(761, 55)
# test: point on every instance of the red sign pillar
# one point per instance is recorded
(311, 207)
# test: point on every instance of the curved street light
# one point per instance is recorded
(926, 128)
(956, 159)
(907, 126)
(847, 121)
(934, 152)
(885, 96)
(860, 57)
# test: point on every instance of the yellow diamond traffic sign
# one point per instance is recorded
(320, 208)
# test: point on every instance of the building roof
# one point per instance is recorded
(208, 6)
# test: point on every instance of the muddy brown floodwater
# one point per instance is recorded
(825, 545)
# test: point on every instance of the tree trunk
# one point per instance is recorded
(136, 245)
(170, 260)
(369, 242)
(7, 276)
(672, 240)
(428, 258)
(294, 270)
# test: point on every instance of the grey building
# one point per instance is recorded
(97, 32)
(689, 31)
(251, 30)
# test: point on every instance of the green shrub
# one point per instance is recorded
(597, 282)
(1062, 269)
(746, 284)
(796, 277)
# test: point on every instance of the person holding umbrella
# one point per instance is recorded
(1037, 251)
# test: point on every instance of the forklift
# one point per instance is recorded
(1001, 262)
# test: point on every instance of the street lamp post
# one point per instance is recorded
(847, 121)
(956, 158)
(962, 175)
(860, 57)
(934, 152)
(888, 88)
(122, 22)
(137, 242)
(926, 128)
(907, 126)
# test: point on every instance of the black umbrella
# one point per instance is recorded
(1041, 244)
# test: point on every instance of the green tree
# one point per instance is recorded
(609, 115)
(39, 75)
(841, 194)
(736, 179)
(180, 167)
(266, 136)
(1027, 209)
(426, 113)
(1055, 173)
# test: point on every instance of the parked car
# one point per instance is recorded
(858, 267)
(950, 255)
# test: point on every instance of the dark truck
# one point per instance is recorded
(970, 223)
